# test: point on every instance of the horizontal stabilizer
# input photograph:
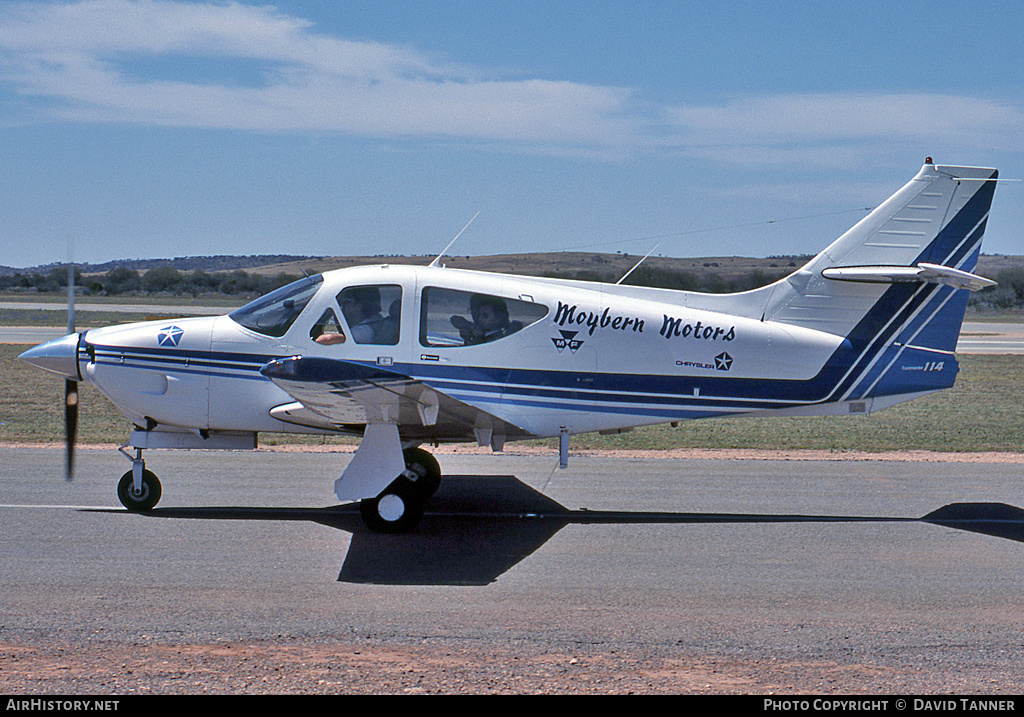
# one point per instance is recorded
(997, 519)
(923, 272)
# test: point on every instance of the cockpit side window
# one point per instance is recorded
(373, 313)
(460, 318)
(274, 314)
(327, 330)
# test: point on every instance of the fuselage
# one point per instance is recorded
(579, 359)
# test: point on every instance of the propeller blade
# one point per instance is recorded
(70, 425)
(71, 298)
(70, 386)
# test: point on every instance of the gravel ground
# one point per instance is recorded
(308, 669)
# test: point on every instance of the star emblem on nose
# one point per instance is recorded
(169, 336)
(723, 361)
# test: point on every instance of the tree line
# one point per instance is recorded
(158, 280)
(664, 278)
(168, 280)
(1008, 294)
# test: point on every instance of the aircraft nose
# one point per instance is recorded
(59, 356)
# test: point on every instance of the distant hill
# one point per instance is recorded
(535, 264)
(265, 271)
(181, 263)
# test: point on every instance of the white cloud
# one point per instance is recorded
(826, 128)
(165, 63)
(87, 56)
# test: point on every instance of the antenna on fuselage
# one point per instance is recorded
(438, 257)
(637, 264)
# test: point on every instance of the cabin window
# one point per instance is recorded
(274, 314)
(462, 318)
(373, 313)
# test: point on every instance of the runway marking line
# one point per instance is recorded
(62, 507)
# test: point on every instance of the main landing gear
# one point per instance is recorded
(142, 493)
(399, 507)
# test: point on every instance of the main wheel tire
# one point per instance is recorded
(397, 509)
(142, 500)
(426, 468)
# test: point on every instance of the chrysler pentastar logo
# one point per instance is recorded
(169, 336)
(567, 340)
(723, 361)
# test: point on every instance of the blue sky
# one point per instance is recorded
(161, 129)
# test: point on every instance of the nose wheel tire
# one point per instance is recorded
(396, 510)
(139, 500)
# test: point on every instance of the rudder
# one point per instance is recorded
(895, 284)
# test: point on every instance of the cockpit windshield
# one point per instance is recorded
(273, 314)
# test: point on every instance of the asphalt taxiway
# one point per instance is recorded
(837, 562)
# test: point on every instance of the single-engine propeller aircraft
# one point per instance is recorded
(410, 355)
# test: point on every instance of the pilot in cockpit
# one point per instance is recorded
(361, 306)
(490, 320)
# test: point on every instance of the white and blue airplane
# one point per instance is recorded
(406, 356)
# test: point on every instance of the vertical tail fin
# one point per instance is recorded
(894, 285)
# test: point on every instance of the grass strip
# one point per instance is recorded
(984, 412)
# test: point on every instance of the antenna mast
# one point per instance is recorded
(438, 258)
(637, 264)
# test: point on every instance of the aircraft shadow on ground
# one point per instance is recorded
(477, 527)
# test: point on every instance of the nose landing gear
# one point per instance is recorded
(139, 489)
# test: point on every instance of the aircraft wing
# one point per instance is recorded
(349, 394)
